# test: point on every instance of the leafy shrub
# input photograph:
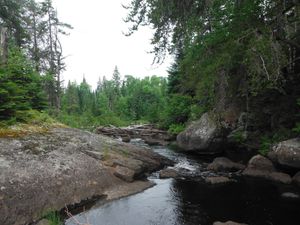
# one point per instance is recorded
(265, 145)
(176, 128)
(177, 110)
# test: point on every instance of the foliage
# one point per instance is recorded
(265, 145)
(268, 140)
(254, 43)
(176, 128)
(296, 129)
(54, 218)
(20, 87)
(177, 110)
(239, 136)
(115, 102)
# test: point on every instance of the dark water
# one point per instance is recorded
(188, 201)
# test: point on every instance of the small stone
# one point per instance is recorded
(290, 195)
(126, 139)
(225, 164)
(218, 180)
(2, 188)
(168, 173)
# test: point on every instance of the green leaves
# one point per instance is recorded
(20, 87)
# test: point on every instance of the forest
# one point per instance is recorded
(230, 57)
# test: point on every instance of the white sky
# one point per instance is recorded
(96, 44)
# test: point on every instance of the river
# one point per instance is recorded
(190, 201)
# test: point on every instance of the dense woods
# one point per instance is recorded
(231, 57)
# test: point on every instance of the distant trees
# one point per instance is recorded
(130, 99)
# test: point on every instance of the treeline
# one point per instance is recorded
(31, 57)
(116, 102)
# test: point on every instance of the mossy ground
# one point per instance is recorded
(32, 122)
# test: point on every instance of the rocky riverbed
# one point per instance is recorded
(45, 172)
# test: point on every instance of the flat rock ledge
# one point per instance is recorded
(44, 172)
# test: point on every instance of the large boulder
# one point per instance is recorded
(287, 153)
(261, 167)
(204, 136)
(44, 172)
(223, 164)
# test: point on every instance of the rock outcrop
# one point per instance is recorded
(203, 136)
(44, 172)
(287, 153)
(261, 167)
(223, 164)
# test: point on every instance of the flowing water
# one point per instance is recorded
(190, 201)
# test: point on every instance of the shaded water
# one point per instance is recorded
(191, 201)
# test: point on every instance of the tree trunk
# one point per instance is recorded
(3, 45)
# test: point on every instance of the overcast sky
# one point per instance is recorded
(96, 44)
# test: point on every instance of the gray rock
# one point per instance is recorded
(259, 162)
(221, 164)
(261, 167)
(287, 153)
(218, 180)
(280, 177)
(124, 173)
(296, 178)
(228, 223)
(290, 195)
(204, 136)
(126, 138)
(43, 222)
(168, 173)
(74, 165)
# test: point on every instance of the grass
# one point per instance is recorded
(54, 218)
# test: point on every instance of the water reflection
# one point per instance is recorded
(158, 205)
